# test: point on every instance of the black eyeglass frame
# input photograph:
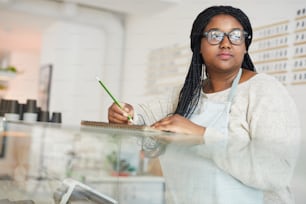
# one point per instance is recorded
(227, 34)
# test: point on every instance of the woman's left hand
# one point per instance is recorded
(178, 124)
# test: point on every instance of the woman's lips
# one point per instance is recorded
(225, 55)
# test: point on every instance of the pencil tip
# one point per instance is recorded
(98, 78)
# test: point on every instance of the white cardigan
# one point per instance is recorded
(264, 135)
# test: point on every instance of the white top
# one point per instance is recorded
(264, 135)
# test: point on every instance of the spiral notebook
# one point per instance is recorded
(118, 126)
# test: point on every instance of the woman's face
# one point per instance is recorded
(224, 56)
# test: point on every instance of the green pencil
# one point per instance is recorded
(114, 99)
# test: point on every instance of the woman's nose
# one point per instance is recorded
(225, 42)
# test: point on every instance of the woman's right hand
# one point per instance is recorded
(117, 115)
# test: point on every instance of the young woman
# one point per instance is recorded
(241, 127)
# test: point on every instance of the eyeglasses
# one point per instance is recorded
(236, 36)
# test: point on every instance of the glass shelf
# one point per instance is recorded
(5, 75)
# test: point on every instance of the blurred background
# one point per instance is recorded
(139, 49)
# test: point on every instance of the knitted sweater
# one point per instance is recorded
(264, 134)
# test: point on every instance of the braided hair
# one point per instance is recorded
(190, 93)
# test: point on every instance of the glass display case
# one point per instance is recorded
(53, 163)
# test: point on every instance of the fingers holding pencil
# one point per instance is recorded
(115, 113)
(123, 115)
